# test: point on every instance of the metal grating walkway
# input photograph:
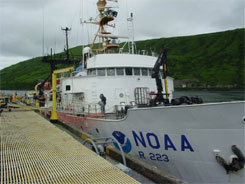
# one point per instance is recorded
(35, 151)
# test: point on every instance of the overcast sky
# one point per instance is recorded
(26, 24)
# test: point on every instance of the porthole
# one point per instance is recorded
(68, 87)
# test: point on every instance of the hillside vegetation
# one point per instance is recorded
(215, 59)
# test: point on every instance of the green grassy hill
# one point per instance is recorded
(214, 59)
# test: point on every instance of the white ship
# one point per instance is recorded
(199, 143)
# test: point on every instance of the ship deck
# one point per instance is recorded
(33, 150)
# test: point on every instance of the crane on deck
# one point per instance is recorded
(159, 96)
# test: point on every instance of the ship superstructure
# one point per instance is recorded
(109, 70)
(199, 143)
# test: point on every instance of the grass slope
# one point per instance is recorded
(214, 59)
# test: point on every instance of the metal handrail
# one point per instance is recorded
(106, 141)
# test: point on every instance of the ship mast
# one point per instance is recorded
(106, 15)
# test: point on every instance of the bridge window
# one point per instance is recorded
(144, 71)
(101, 72)
(93, 72)
(136, 71)
(150, 71)
(120, 71)
(111, 72)
(129, 71)
(89, 72)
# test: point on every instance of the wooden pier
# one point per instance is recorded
(32, 150)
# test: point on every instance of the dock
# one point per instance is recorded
(33, 150)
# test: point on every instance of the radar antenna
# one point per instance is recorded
(106, 15)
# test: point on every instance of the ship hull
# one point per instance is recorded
(182, 140)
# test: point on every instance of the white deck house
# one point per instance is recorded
(114, 75)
